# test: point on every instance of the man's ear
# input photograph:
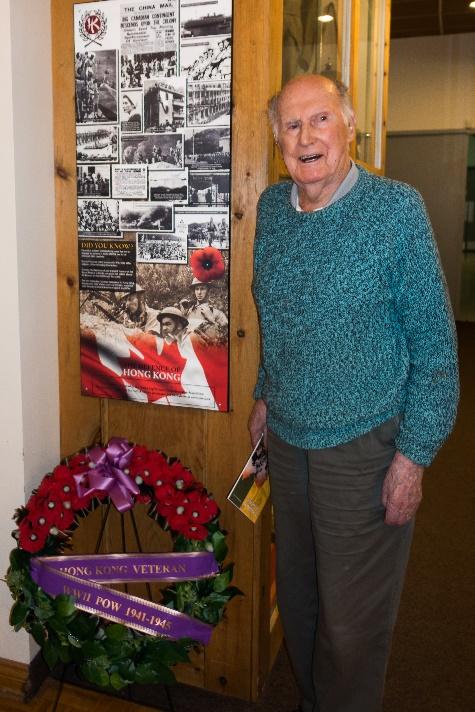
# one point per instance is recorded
(351, 127)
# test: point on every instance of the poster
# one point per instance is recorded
(153, 150)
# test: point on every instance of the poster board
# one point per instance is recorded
(153, 152)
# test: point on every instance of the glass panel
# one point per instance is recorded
(369, 86)
(310, 38)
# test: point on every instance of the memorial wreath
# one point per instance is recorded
(116, 639)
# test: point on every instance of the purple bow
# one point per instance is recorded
(106, 474)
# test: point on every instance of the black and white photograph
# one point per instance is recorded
(199, 19)
(149, 26)
(158, 151)
(136, 68)
(131, 106)
(169, 186)
(146, 217)
(208, 148)
(96, 143)
(94, 180)
(209, 188)
(208, 59)
(153, 247)
(208, 103)
(98, 217)
(129, 182)
(96, 86)
(203, 228)
(164, 104)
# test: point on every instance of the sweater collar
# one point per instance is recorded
(345, 186)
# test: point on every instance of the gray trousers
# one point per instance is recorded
(340, 568)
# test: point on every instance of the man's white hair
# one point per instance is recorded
(342, 91)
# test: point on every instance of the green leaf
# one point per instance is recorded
(38, 632)
(116, 631)
(222, 580)
(119, 650)
(19, 559)
(93, 649)
(64, 606)
(83, 626)
(18, 615)
(64, 654)
(219, 546)
(145, 673)
(127, 671)
(117, 682)
(74, 641)
(51, 653)
(164, 675)
(93, 673)
(167, 652)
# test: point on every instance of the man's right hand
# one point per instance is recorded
(257, 423)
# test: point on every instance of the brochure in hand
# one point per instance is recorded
(245, 494)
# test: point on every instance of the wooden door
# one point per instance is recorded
(213, 445)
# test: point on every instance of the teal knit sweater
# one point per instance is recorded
(355, 320)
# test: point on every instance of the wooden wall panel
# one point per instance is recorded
(213, 445)
(80, 417)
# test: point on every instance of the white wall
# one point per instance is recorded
(29, 410)
(432, 83)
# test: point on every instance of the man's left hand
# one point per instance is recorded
(402, 490)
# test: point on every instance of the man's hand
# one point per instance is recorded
(402, 490)
(257, 423)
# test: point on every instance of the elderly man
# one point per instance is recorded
(355, 396)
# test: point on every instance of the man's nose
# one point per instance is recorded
(307, 134)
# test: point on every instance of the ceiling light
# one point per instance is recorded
(329, 18)
(472, 4)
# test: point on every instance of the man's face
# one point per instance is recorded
(313, 133)
(170, 326)
(201, 292)
(132, 305)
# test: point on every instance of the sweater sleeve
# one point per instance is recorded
(259, 387)
(426, 319)
(261, 374)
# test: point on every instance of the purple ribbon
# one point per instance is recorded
(124, 568)
(106, 474)
(145, 616)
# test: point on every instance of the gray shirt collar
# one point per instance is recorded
(345, 186)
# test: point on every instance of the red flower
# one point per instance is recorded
(172, 503)
(31, 539)
(195, 531)
(153, 469)
(181, 478)
(143, 498)
(178, 521)
(78, 463)
(207, 264)
(201, 509)
(58, 513)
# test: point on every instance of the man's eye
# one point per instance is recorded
(323, 117)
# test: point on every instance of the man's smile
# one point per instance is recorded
(310, 158)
